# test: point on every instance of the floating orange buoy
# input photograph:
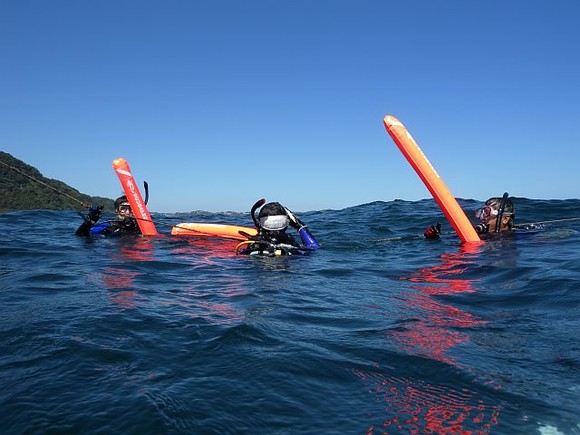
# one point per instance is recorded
(213, 230)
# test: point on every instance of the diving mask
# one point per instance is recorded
(274, 223)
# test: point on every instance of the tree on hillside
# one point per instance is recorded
(23, 187)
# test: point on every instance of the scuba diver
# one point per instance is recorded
(272, 239)
(124, 224)
(496, 216)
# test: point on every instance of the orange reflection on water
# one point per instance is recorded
(135, 249)
(205, 249)
(436, 328)
(212, 302)
(418, 407)
(214, 313)
(120, 283)
(430, 329)
(447, 274)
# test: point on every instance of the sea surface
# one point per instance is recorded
(378, 332)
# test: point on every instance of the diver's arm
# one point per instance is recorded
(89, 220)
(308, 239)
(84, 228)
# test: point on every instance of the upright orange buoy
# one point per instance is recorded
(431, 179)
(134, 197)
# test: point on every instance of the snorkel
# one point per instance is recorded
(500, 212)
(259, 203)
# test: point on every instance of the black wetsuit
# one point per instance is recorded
(275, 243)
(125, 227)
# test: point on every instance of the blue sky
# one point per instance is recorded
(219, 103)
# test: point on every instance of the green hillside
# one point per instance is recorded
(23, 187)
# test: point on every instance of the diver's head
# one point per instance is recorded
(498, 213)
(273, 217)
(123, 208)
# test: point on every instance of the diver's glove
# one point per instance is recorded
(93, 215)
(433, 232)
(95, 212)
(294, 221)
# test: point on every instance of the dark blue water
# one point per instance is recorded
(379, 332)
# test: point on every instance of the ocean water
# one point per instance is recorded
(379, 332)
